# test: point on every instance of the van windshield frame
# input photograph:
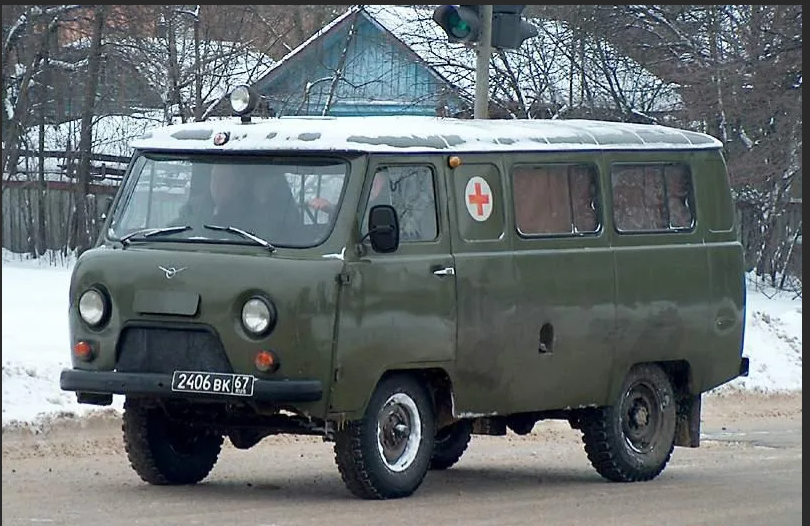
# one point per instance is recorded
(266, 196)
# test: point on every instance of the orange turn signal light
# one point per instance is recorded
(83, 351)
(266, 361)
(454, 161)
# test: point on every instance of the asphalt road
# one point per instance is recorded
(747, 472)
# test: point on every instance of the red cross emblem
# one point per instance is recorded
(478, 198)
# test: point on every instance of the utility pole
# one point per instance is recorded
(487, 27)
(483, 54)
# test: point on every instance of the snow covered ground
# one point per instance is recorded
(35, 341)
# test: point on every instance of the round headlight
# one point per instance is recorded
(257, 316)
(243, 99)
(92, 307)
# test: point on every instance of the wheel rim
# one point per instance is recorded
(399, 432)
(642, 414)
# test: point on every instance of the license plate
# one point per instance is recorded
(213, 383)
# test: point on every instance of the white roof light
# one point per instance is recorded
(243, 99)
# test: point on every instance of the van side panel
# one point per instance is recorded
(486, 367)
(395, 312)
(663, 286)
(563, 346)
(720, 360)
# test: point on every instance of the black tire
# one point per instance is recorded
(450, 444)
(633, 440)
(163, 452)
(398, 400)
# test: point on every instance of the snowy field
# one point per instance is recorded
(35, 342)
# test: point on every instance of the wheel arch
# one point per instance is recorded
(439, 385)
(435, 379)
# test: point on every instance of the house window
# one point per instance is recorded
(652, 197)
(556, 199)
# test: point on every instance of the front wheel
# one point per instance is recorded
(162, 451)
(633, 440)
(386, 454)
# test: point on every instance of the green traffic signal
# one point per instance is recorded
(458, 27)
(462, 23)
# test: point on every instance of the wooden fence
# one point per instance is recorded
(24, 196)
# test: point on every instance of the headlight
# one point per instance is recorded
(92, 307)
(258, 316)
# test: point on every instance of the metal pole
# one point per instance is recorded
(484, 51)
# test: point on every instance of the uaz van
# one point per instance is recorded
(398, 284)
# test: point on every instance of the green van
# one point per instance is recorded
(398, 284)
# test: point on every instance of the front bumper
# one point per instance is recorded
(160, 385)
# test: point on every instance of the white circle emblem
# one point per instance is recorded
(478, 198)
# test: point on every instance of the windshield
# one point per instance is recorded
(204, 199)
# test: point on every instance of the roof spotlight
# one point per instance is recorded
(244, 99)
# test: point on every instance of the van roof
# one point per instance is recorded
(413, 134)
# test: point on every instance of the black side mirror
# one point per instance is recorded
(383, 228)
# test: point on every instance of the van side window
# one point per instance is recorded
(678, 185)
(652, 197)
(410, 189)
(556, 199)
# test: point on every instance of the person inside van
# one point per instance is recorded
(380, 194)
(280, 215)
(230, 195)
(229, 201)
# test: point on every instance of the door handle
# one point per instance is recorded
(445, 271)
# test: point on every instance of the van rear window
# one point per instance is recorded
(652, 197)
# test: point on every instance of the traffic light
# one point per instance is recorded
(509, 30)
(462, 23)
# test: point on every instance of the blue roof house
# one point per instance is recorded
(354, 66)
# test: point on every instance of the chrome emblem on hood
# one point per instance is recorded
(170, 272)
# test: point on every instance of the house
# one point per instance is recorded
(357, 65)
(390, 59)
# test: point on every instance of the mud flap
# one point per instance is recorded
(687, 426)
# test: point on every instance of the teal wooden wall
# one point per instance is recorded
(381, 77)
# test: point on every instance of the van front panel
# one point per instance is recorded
(189, 317)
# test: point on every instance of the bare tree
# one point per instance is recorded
(85, 213)
(29, 39)
(17, 87)
(731, 70)
(738, 70)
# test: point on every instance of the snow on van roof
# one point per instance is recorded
(400, 134)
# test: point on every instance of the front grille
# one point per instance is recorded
(154, 350)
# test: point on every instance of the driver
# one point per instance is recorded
(377, 196)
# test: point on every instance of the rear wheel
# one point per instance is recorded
(634, 439)
(162, 451)
(386, 454)
(450, 443)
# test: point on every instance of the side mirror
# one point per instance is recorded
(383, 228)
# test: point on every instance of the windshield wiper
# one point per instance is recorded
(247, 235)
(149, 232)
